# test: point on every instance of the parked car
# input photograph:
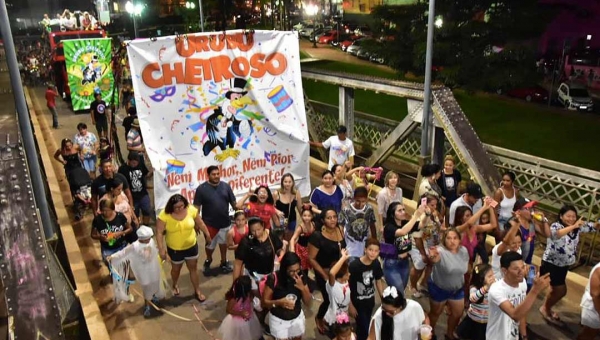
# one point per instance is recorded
(575, 97)
(362, 53)
(345, 40)
(307, 31)
(374, 58)
(299, 26)
(319, 33)
(530, 94)
(363, 31)
(328, 37)
(353, 49)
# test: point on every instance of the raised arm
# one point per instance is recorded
(556, 234)
(240, 203)
(480, 229)
(474, 218)
(512, 232)
(411, 223)
(519, 312)
(337, 266)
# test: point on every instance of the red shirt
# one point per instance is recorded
(237, 237)
(51, 98)
(262, 211)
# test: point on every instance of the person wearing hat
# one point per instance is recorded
(528, 226)
(341, 148)
(471, 198)
(143, 257)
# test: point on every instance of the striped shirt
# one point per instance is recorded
(478, 311)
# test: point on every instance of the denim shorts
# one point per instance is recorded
(142, 204)
(438, 294)
(89, 163)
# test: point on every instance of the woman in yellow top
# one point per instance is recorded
(179, 222)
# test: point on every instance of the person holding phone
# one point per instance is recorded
(285, 291)
(509, 302)
(560, 254)
(471, 198)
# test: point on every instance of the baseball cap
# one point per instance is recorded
(524, 203)
(474, 189)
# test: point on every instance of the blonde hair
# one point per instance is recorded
(449, 158)
(388, 176)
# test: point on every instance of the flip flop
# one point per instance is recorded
(553, 319)
(320, 327)
(175, 291)
(201, 298)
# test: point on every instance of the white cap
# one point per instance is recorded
(144, 232)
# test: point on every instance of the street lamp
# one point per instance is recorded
(134, 10)
(312, 10)
(192, 5)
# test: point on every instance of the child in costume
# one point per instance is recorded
(240, 323)
(142, 257)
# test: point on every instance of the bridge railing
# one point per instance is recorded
(549, 182)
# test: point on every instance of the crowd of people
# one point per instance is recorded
(70, 21)
(335, 242)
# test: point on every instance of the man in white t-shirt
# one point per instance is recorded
(471, 198)
(509, 302)
(341, 148)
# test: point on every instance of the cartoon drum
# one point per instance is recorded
(280, 98)
(176, 166)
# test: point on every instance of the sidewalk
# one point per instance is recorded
(187, 319)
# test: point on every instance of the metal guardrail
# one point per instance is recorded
(549, 182)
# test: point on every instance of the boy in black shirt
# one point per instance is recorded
(365, 275)
(98, 111)
(136, 173)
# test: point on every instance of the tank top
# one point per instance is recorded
(237, 237)
(507, 204)
(470, 244)
(586, 300)
(288, 209)
(72, 161)
(304, 237)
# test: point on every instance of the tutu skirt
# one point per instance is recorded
(236, 328)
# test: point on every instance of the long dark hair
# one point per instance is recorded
(459, 217)
(566, 208)
(270, 199)
(391, 212)
(478, 278)
(289, 259)
(240, 289)
(387, 322)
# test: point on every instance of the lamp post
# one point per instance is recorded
(426, 124)
(312, 10)
(192, 5)
(134, 10)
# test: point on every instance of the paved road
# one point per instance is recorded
(125, 321)
(327, 52)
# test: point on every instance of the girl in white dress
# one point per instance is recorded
(142, 256)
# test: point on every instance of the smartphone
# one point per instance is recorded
(531, 274)
(493, 203)
(424, 201)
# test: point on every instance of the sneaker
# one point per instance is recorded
(147, 312)
(206, 267)
(155, 300)
(226, 267)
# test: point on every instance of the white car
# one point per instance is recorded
(575, 97)
(355, 47)
(307, 31)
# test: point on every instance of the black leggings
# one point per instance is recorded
(325, 304)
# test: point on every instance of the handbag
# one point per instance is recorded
(388, 251)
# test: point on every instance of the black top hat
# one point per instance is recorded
(237, 86)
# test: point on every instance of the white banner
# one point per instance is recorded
(234, 100)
